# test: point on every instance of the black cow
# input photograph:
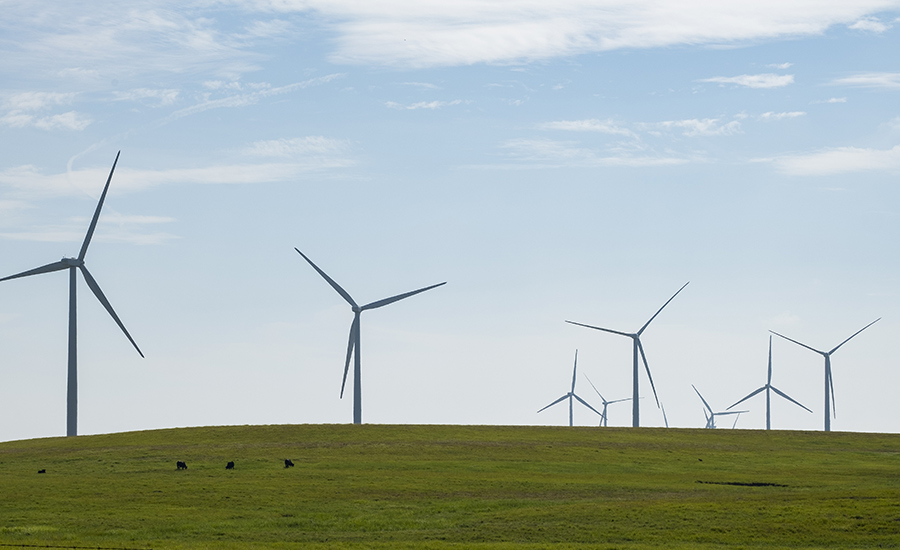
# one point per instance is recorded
(288, 463)
(229, 466)
(42, 471)
(181, 465)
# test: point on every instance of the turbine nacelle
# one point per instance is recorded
(72, 262)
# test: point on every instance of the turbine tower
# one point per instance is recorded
(829, 385)
(638, 348)
(572, 394)
(605, 420)
(711, 417)
(73, 265)
(769, 387)
(353, 344)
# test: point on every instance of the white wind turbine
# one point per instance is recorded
(604, 421)
(829, 385)
(769, 387)
(353, 346)
(711, 417)
(637, 348)
(74, 265)
(572, 395)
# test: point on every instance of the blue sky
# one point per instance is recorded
(581, 161)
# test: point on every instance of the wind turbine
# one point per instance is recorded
(829, 386)
(604, 421)
(768, 387)
(572, 394)
(353, 344)
(638, 348)
(711, 417)
(73, 265)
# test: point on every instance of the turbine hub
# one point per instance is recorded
(72, 262)
(355, 309)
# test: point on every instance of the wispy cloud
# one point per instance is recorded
(430, 105)
(294, 147)
(840, 160)
(765, 80)
(160, 97)
(701, 127)
(781, 65)
(888, 81)
(870, 24)
(588, 125)
(113, 227)
(545, 153)
(22, 110)
(771, 115)
(423, 85)
(833, 100)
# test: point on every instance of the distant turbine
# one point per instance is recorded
(829, 386)
(711, 417)
(571, 394)
(768, 387)
(638, 348)
(604, 420)
(73, 265)
(353, 343)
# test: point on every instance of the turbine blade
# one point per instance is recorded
(736, 418)
(746, 398)
(665, 419)
(646, 366)
(595, 389)
(574, 370)
(603, 329)
(90, 232)
(705, 404)
(95, 288)
(619, 401)
(586, 404)
(563, 398)
(831, 385)
(392, 299)
(660, 309)
(789, 398)
(798, 343)
(331, 281)
(725, 413)
(854, 334)
(769, 383)
(55, 266)
(354, 326)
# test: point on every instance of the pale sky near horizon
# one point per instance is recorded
(577, 161)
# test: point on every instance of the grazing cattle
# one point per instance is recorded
(42, 471)
(288, 463)
(181, 465)
(229, 466)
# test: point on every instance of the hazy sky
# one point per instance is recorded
(580, 160)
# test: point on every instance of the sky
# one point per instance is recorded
(576, 161)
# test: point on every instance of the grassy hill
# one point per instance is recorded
(375, 486)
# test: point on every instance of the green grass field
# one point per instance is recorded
(487, 487)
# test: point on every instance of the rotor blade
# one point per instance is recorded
(90, 232)
(586, 404)
(831, 385)
(603, 329)
(574, 370)
(354, 326)
(595, 389)
(705, 404)
(769, 383)
(566, 396)
(786, 396)
(660, 309)
(331, 281)
(746, 398)
(724, 413)
(736, 418)
(854, 334)
(646, 366)
(665, 419)
(55, 266)
(798, 343)
(398, 297)
(95, 288)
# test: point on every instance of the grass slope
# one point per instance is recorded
(377, 486)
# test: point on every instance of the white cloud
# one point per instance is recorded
(890, 81)
(162, 97)
(21, 112)
(766, 80)
(431, 105)
(840, 160)
(421, 33)
(37, 101)
(315, 145)
(781, 65)
(588, 125)
(870, 24)
(701, 127)
(833, 100)
(545, 153)
(424, 85)
(779, 116)
(268, 29)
